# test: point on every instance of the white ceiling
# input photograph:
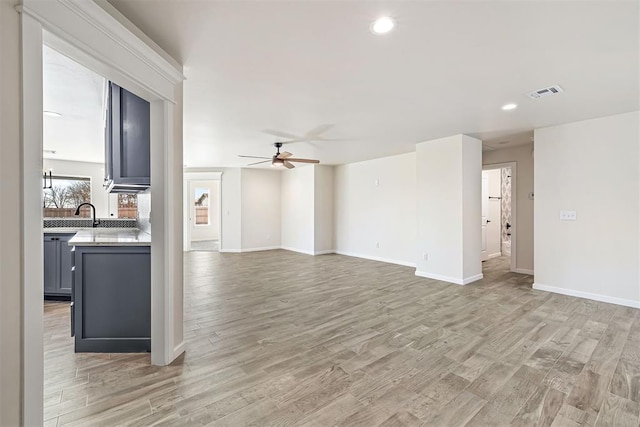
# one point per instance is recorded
(78, 95)
(446, 69)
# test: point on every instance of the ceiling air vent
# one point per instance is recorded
(547, 91)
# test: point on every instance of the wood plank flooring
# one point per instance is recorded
(279, 338)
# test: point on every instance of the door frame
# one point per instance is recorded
(98, 37)
(200, 176)
(514, 214)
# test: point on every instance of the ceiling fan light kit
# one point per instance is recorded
(279, 159)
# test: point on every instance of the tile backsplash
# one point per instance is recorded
(144, 211)
(86, 223)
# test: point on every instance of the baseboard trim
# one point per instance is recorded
(178, 350)
(380, 259)
(523, 271)
(448, 279)
(300, 251)
(496, 255)
(266, 248)
(230, 251)
(330, 251)
(587, 295)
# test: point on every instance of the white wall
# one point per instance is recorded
(230, 184)
(100, 198)
(323, 209)
(375, 202)
(10, 216)
(297, 215)
(591, 167)
(449, 172)
(261, 210)
(523, 157)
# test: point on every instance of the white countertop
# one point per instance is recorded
(67, 230)
(111, 237)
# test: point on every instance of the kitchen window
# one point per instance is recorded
(62, 194)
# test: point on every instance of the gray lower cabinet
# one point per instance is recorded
(57, 265)
(112, 299)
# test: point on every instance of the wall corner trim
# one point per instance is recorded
(587, 295)
(448, 279)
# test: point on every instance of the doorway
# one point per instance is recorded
(202, 211)
(204, 215)
(498, 214)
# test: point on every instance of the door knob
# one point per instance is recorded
(488, 221)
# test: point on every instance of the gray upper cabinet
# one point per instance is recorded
(128, 142)
(58, 261)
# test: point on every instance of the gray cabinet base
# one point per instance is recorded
(112, 299)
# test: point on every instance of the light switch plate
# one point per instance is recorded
(568, 216)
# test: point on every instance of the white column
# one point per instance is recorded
(449, 172)
(323, 210)
(32, 243)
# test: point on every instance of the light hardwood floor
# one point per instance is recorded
(279, 338)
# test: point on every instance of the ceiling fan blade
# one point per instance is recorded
(288, 165)
(257, 163)
(284, 155)
(303, 160)
(319, 130)
(281, 134)
(255, 157)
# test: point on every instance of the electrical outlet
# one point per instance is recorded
(568, 215)
(425, 256)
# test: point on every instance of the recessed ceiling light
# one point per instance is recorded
(382, 25)
(52, 114)
(507, 107)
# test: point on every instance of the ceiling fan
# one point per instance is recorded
(280, 159)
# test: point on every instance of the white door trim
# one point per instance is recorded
(514, 213)
(99, 40)
(200, 176)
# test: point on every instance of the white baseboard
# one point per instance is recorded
(230, 251)
(300, 251)
(266, 248)
(454, 280)
(374, 258)
(330, 251)
(496, 255)
(178, 350)
(587, 295)
(523, 271)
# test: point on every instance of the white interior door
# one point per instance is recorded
(485, 213)
(494, 214)
(203, 210)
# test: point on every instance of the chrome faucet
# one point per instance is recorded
(93, 208)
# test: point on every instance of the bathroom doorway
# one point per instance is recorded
(499, 214)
